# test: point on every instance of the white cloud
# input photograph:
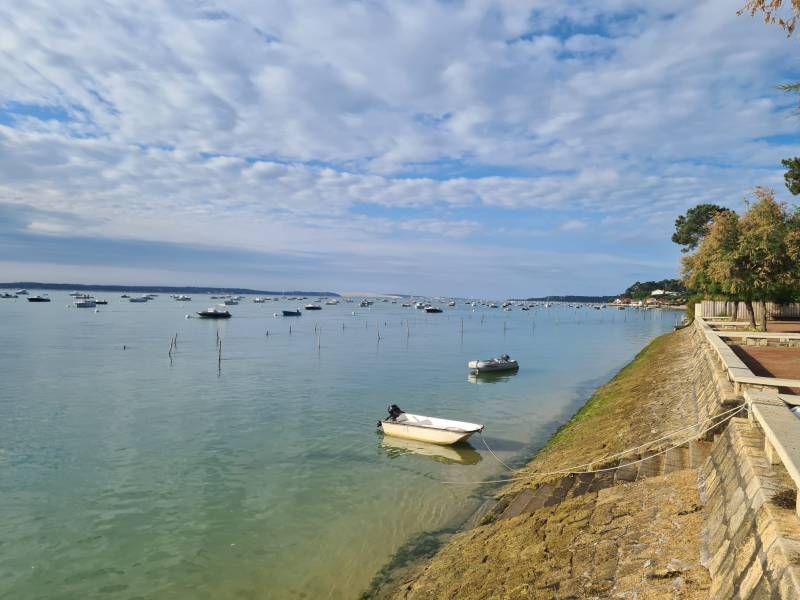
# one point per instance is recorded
(573, 225)
(266, 125)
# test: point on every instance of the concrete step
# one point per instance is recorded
(517, 505)
(626, 472)
(698, 453)
(554, 494)
(484, 510)
(582, 483)
(650, 467)
(675, 459)
(601, 481)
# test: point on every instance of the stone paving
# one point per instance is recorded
(768, 361)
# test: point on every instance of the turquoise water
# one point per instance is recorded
(127, 474)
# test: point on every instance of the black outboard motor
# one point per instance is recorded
(394, 412)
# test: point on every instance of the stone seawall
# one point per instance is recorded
(752, 533)
(703, 514)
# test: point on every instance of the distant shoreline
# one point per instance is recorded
(155, 289)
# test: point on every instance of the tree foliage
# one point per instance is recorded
(691, 227)
(792, 175)
(783, 14)
(751, 258)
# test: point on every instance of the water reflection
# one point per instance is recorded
(480, 378)
(462, 454)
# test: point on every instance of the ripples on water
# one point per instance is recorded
(124, 475)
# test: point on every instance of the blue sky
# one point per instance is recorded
(472, 148)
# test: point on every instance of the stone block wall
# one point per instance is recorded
(714, 393)
(752, 534)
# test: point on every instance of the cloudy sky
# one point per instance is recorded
(475, 147)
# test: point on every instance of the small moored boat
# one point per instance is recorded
(215, 313)
(85, 303)
(292, 313)
(38, 299)
(426, 429)
(432, 309)
(504, 363)
(312, 307)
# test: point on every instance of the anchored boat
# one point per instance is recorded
(219, 312)
(38, 299)
(312, 307)
(492, 365)
(426, 429)
(292, 313)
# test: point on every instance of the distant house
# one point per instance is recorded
(661, 293)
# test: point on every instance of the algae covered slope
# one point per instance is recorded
(640, 537)
(651, 396)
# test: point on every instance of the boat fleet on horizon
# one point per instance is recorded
(428, 305)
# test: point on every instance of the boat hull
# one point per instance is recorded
(424, 434)
(487, 367)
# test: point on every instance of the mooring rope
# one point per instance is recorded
(651, 442)
(732, 414)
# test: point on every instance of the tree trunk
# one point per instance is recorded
(751, 313)
(735, 310)
(763, 306)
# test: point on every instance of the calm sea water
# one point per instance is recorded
(127, 474)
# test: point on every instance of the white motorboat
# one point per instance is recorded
(182, 298)
(504, 363)
(230, 302)
(259, 300)
(21, 292)
(426, 429)
(85, 303)
(331, 302)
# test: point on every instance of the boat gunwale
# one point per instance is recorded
(478, 427)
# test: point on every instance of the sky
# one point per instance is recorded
(468, 148)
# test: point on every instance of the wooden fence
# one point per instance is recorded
(722, 308)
